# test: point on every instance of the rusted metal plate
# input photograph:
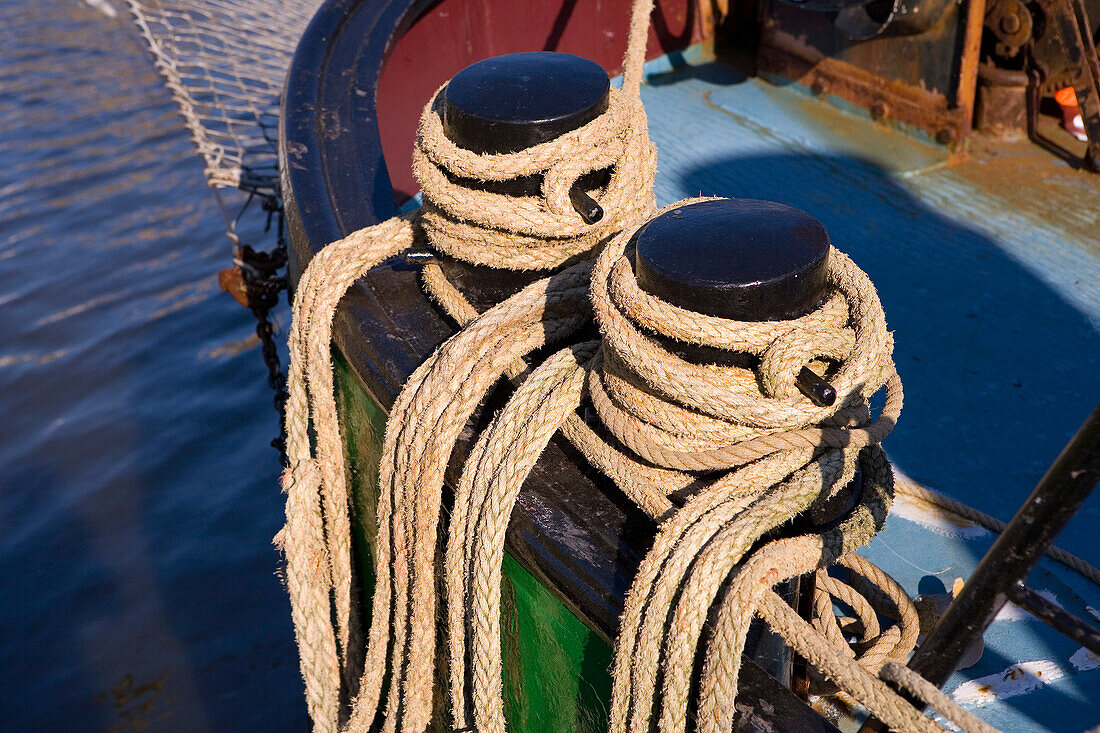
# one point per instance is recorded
(927, 109)
(1001, 107)
(928, 59)
(924, 80)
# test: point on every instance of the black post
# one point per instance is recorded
(750, 261)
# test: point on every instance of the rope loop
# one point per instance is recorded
(533, 232)
(800, 347)
(781, 455)
(685, 415)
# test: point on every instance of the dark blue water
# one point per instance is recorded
(138, 492)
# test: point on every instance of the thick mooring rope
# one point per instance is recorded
(533, 233)
(540, 232)
(420, 436)
(548, 398)
(781, 454)
(317, 535)
(739, 448)
(773, 471)
(473, 225)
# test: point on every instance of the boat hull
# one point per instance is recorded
(989, 273)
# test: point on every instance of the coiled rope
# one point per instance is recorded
(680, 422)
(780, 455)
(699, 548)
(526, 232)
(476, 226)
(509, 446)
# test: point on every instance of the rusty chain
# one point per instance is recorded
(255, 281)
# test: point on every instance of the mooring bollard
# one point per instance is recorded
(746, 260)
(507, 104)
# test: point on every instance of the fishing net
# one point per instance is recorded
(225, 62)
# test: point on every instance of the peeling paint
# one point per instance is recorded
(1083, 660)
(1018, 679)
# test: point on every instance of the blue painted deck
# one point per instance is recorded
(989, 271)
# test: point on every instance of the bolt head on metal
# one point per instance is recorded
(507, 103)
(735, 258)
(1010, 23)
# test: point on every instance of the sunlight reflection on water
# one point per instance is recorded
(140, 494)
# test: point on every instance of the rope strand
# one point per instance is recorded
(753, 452)
(471, 224)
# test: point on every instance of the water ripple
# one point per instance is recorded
(139, 497)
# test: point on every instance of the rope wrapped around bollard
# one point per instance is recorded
(702, 558)
(529, 232)
(781, 454)
(699, 548)
(344, 686)
(721, 454)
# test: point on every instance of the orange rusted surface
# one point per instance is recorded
(968, 71)
(787, 56)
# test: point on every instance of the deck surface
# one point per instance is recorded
(989, 272)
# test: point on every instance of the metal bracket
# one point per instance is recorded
(1000, 575)
(1062, 53)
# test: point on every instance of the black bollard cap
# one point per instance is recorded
(507, 103)
(735, 258)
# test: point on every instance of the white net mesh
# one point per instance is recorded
(225, 62)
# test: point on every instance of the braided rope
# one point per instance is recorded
(929, 694)
(540, 232)
(776, 562)
(782, 454)
(476, 226)
(500, 461)
(910, 488)
(316, 538)
(778, 454)
(490, 483)
(647, 486)
(420, 436)
(533, 232)
(698, 549)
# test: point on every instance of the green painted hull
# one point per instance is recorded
(556, 670)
